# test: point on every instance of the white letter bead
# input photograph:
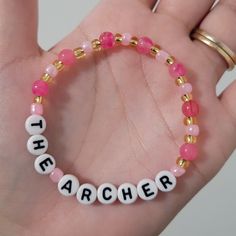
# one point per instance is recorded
(37, 144)
(68, 185)
(127, 193)
(44, 164)
(35, 124)
(165, 181)
(107, 193)
(147, 189)
(86, 194)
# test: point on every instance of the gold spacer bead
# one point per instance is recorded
(182, 163)
(46, 77)
(58, 64)
(118, 38)
(79, 53)
(187, 97)
(190, 139)
(181, 80)
(155, 49)
(38, 99)
(96, 44)
(170, 61)
(190, 120)
(134, 41)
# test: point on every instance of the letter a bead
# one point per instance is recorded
(165, 181)
(68, 185)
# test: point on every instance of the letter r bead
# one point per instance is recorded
(165, 181)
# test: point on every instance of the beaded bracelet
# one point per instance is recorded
(107, 193)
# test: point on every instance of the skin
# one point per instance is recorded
(113, 118)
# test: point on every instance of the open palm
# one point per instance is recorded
(115, 117)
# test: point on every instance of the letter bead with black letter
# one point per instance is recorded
(44, 164)
(165, 181)
(68, 185)
(86, 194)
(107, 193)
(127, 193)
(147, 189)
(37, 144)
(35, 124)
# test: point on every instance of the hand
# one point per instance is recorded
(115, 117)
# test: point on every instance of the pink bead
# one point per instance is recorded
(67, 57)
(40, 88)
(126, 37)
(144, 45)
(190, 108)
(177, 70)
(177, 171)
(51, 70)
(36, 108)
(192, 130)
(56, 175)
(185, 88)
(189, 151)
(87, 47)
(107, 40)
(162, 56)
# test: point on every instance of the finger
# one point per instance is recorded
(18, 29)
(110, 15)
(148, 3)
(188, 13)
(220, 23)
(228, 98)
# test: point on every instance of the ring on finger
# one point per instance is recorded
(228, 55)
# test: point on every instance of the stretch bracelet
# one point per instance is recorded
(107, 193)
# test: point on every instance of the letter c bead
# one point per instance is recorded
(107, 193)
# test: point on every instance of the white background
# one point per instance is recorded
(212, 211)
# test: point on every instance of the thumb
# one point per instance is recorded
(228, 98)
(18, 30)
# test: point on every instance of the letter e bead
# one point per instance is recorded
(44, 164)
(147, 189)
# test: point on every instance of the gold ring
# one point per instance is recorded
(155, 5)
(228, 55)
